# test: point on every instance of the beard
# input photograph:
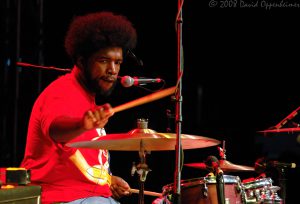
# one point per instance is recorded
(93, 86)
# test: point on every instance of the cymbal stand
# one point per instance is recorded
(142, 170)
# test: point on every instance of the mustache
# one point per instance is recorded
(109, 78)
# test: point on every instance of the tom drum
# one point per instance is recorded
(204, 191)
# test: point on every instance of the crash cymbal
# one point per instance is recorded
(225, 165)
(149, 139)
(288, 130)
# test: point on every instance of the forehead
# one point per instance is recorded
(111, 52)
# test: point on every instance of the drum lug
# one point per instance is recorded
(205, 191)
(238, 186)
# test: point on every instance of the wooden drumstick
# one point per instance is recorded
(145, 99)
(150, 193)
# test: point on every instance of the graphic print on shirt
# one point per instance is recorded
(98, 173)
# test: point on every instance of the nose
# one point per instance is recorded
(113, 68)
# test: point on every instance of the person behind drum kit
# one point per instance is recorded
(66, 111)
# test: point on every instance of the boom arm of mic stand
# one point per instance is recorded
(287, 118)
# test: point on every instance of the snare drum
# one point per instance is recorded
(204, 191)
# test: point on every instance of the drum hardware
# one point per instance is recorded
(142, 168)
(205, 190)
(274, 197)
(260, 191)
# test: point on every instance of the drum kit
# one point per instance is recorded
(203, 190)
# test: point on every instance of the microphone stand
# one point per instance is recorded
(220, 186)
(282, 183)
(177, 179)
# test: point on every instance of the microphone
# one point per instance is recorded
(281, 164)
(262, 164)
(128, 81)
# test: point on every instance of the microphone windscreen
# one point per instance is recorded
(127, 81)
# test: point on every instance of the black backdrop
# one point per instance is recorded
(240, 76)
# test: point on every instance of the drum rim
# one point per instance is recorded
(262, 182)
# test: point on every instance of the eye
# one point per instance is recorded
(103, 61)
(119, 62)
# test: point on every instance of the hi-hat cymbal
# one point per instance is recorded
(288, 130)
(225, 165)
(149, 139)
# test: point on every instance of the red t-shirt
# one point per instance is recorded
(64, 173)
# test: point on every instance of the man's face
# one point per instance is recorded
(102, 70)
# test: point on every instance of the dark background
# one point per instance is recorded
(241, 70)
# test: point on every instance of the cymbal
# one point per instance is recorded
(289, 130)
(230, 167)
(225, 165)
(149, 139)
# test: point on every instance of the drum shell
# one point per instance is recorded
(203, 190)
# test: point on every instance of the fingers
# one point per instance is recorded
(104, 111)
(98, 117)
(108, 109)
(119, 187)
(119, 191)
(91, 115)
